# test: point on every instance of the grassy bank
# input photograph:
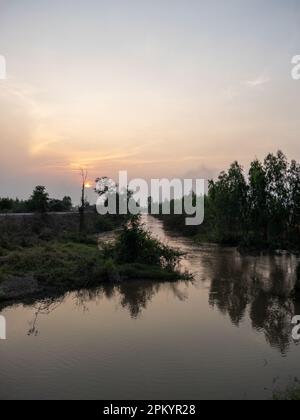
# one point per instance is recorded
(71, 261)
(31, 230)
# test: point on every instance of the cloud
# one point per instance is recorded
(259, 81)
(235, 91)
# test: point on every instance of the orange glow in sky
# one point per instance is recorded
(155, 88)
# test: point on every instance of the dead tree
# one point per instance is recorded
(84, 176)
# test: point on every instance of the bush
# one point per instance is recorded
(136, 245)
(110, 271)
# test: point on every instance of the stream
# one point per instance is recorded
(225, 335)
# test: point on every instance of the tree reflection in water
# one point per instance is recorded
(44, 307)
(134, 295)
(263, 286)
(259, 287)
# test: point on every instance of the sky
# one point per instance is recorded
(161, 88)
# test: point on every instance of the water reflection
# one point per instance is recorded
(261, 286)
(45, 307)
(244, 288)
(134, 296)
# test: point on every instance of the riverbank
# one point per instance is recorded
(203, 234)
(55, 268)
(30, 230)
(43, 267)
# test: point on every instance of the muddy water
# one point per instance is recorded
(225, 335)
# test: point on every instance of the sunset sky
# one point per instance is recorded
(162, 88)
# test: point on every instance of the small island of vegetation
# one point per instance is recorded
(44, 254)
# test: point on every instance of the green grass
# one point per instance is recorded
(55, 264)
(74, 261)
(59, 266)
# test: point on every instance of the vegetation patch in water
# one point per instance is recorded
(73, 263)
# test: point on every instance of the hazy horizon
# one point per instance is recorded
(161, 89)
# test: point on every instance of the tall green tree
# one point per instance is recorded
(257, 202)
(294, 201)
(6, 204)
(228, 202)
(276, 169)
(39, 199)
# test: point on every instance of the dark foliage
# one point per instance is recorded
(39, 202)
(136, 245)
(258, 211)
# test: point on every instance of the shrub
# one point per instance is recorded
(136, 245)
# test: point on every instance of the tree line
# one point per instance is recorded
(260, 209)
(39, 202)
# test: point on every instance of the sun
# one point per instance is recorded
(88, 185)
